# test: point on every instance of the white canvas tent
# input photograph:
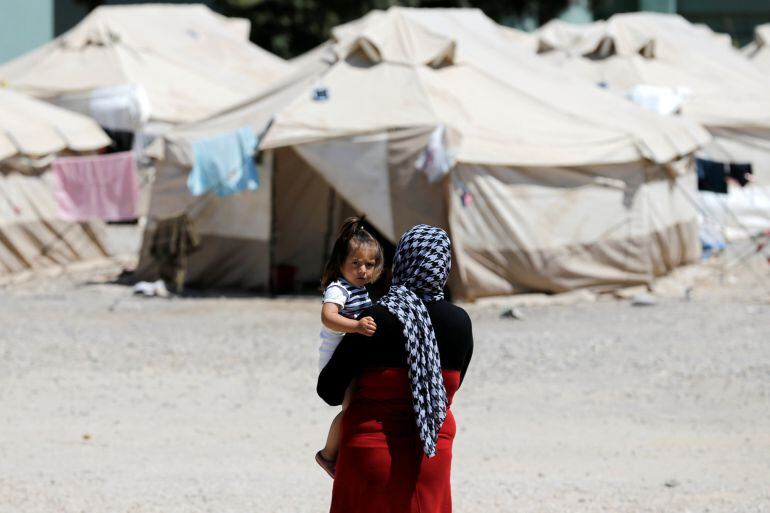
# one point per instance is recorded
(556, 184)
(234, 231)
(759, 50)
(33, 129)
(31, 235)
(163, 63)
(717, 87)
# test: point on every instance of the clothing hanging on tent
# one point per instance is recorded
(712, 175)
(741, 173)
(97, 187)
(123, 107)
(436, 159)
(121, 140)
(174, 239)
(224, 163)
(663, 100)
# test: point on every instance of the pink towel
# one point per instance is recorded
(96, 187)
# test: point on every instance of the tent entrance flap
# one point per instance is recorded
(358, 169)
(376, 175)
(307, 213)
(318, 185)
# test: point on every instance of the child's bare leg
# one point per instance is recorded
(329, 452)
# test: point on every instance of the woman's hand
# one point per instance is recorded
(366, 326)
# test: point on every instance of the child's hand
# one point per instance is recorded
(366, 326)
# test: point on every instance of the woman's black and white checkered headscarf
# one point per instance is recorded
(420, 270)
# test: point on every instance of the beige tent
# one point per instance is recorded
(31, 235)
(722, 90)
(184, 62)
(555, 184)
(234, 231)
(519, 37)
(718, 88)
(31, 128)
(759, 50)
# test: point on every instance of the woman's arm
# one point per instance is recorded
(343, 366)
(467, 361)
(469, 351)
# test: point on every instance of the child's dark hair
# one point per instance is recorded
(352, 235)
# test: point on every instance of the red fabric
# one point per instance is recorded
(381, 467)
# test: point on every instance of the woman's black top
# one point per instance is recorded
(387, 348)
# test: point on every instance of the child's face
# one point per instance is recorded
(358, 267)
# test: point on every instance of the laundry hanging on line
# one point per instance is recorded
(436, 159)
(173, 240)
(174, 237)
(712, 175)
(96, 187)
(122, 140)
(741, 173)
(224, 163)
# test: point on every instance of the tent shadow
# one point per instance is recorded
(127, 278)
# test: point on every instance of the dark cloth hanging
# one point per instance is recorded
(712, 175)
(174, 237)
(740, 173)
(173, 240)
(121, 140)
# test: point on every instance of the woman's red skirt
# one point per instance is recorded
(381, 466)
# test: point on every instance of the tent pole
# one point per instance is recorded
(330, 218)
(269, 159)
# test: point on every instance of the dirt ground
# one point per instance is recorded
(111, 402)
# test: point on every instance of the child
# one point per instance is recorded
(356, 260)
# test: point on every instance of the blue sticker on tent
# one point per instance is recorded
(320, 94)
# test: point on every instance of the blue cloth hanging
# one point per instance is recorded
(224, 163)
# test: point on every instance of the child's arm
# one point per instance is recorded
(331, 318)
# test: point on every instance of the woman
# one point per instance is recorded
(397, 433)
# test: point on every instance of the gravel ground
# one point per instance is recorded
(115, 403)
